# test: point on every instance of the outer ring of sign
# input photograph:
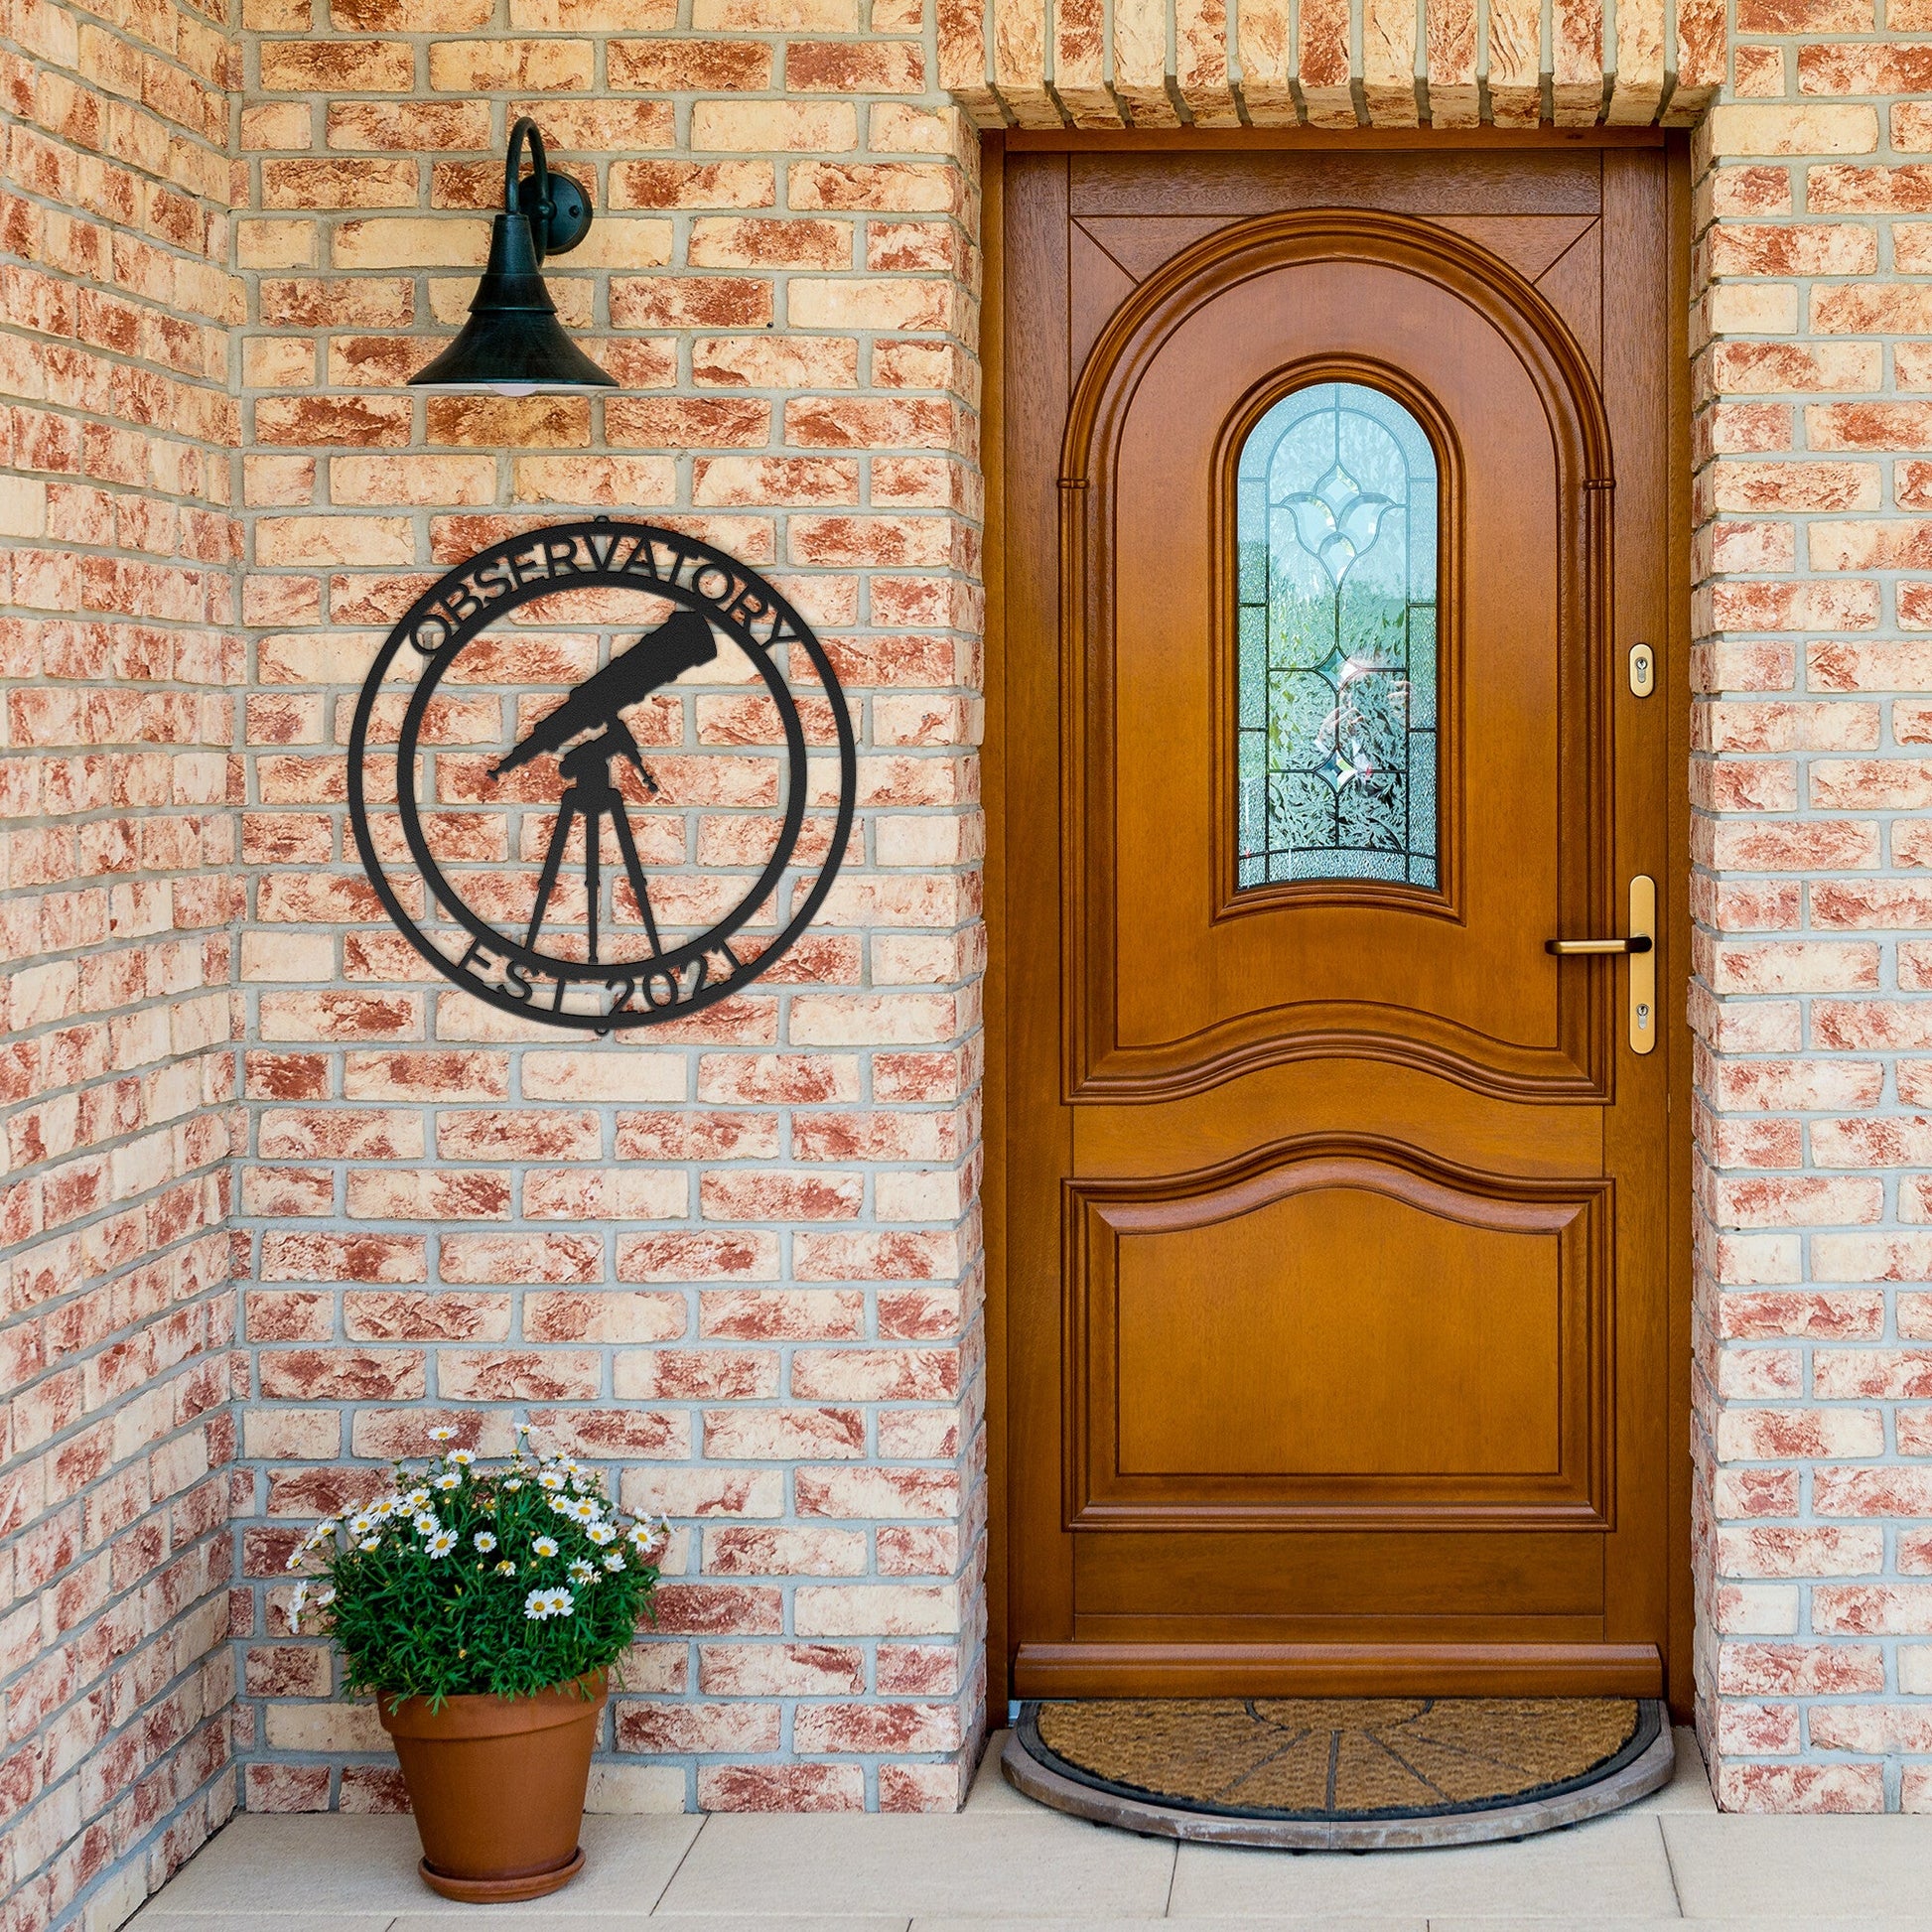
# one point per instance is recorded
(524, 594)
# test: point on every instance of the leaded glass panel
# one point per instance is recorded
(1336, 515)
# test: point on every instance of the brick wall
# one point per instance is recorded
(735, 1259)
(1810, 781)
(121, 669)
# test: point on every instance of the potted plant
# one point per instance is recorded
(484, 1607)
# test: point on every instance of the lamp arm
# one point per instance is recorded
(525, 128)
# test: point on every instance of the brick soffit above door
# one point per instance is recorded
(1330, 63)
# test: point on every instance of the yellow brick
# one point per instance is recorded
(275, 244)
(279, 125)
(776, 16)
(618, 481)
(364, 182)
(477, 66)
(314, 657)
(411, 241)
(277, 482)
(594, 16)
(325, 1727)
(1744, 308)
(357, 66)
(430, 479)
(616, 1074)
(1807, 129)
(733, 241)
(278, 362)
(23, 507)
(368, 541)
(615, 243)
(887, 303)
(288, 956)
(766, 126)
(897, 127)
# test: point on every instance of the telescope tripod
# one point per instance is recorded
(592, 796)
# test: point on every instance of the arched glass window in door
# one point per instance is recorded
(1335, 523)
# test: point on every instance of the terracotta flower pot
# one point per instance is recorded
(497, 1787)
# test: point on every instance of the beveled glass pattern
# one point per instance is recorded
(1335, 527)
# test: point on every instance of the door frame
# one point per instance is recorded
(1675, 912)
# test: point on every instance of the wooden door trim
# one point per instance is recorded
(993, 779)
(1098, 1670)
(1678, 1044)
(1674, 689)
(1269, 140)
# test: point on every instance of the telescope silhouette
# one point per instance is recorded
(680, 643)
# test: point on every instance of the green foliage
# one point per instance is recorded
(465, 1579)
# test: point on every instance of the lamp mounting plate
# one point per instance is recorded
(570, 211)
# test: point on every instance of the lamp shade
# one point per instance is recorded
(513, 343)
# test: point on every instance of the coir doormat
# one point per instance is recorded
(1341, 1773)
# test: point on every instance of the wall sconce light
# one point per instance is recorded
(512, 343)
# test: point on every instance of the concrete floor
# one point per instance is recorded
(1006, 1865)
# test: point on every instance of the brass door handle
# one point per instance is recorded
(1640, 945)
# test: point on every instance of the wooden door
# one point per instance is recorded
(1339, 1249)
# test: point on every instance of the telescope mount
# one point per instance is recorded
(592, 795)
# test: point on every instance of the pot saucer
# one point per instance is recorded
(505, 1890)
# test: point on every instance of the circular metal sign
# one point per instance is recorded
(580, 775)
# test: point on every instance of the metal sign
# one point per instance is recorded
(580, 770)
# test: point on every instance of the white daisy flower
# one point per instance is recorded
(326, 1596)
(543, 1603)
(371, 1542)
(461, 1457)
(551, 1479)
(544, 1546)
(416, 1498)
(426, 1523)
(506, 1568)
(361, 1523)
(485, 1541)
(442, 1543)
(449, 1479)
(614, 1561)
(515, 1482)
(585, 1510)
(582, 1573)
(387, 1507)
(601, 1533)
(442, 1435)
